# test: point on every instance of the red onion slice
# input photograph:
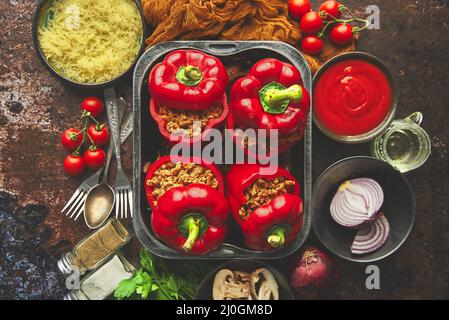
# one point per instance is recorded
(372, 237)
(357, 202)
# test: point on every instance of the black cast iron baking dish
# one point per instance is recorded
(42, 7)
(148, 143)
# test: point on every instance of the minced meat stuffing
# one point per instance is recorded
(171, 175)
(262, 191)
(180, 122)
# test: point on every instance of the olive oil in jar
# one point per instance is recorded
(405, 149)
(405, 145)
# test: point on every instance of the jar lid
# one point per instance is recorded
(75, 295)
(65, 266)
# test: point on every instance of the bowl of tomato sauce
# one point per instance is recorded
(354, 97)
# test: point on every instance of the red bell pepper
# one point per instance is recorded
(188, 80)
(191, 219)
(164, 159)
(173, 139)
(271, 96)
(274, 224)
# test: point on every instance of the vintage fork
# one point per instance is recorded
(75, 205)
(123, 190)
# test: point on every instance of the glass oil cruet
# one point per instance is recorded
(404, 144)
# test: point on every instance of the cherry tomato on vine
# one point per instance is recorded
(312, 45)
(94, 105)
(330, 9)
(74, 164)
(99, 134)
(311, 23)
(341, 34)
(94, 157)
(298, 8)
(71, 139)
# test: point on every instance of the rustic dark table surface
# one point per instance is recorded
(35, 108)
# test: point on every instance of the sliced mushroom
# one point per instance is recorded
(228, 285)
(264, 285)
(242, 276)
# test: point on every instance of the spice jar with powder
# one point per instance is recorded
(95, 249)
(100, 284)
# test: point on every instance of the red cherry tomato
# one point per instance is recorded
(312, 45)
(341, 34)
(94, 157)
(298, 8)
(71, 139)
(99, 134)
(94, 105)
(330, 9)
(74, 164)
(311, 23)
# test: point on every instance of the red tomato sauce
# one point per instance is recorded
(352, 97)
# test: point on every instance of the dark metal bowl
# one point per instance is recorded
(204, 291)
(388, 119)
(43, 5)
(399, 206)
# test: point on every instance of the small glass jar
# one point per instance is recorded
(100, 284)
(405, 144)
(95, 249)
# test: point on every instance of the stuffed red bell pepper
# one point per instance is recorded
(271, 96)
(191, 219)
(266, 204)
(188, 87)
(169, 172)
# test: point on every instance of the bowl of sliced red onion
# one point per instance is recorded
(363, 209)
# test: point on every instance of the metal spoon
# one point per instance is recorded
(99, 203)
(100, 199)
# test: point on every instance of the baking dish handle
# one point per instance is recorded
(224, 47)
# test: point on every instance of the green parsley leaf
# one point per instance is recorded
(160, 295)
(125, 289)
(160, 280)
(144, 288)
(171, 284)
(154, 287)
(146, 260)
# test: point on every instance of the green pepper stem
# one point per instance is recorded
(277, 96)
(193, 73)
(193, 225)
(189, 75)
(276, 238)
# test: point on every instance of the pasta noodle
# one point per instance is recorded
(91, 41)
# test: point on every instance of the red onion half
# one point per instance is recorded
(372, 237)
(357, 202)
